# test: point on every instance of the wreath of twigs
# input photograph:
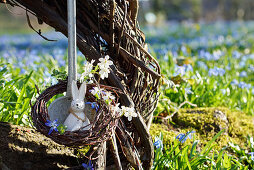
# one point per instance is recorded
(102, 127)
(109, 27)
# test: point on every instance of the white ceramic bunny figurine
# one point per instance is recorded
(77, 118)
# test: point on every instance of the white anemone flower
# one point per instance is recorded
(104, 72)
(129, 112)
(96, 91)
(105, 62)
(115, 109)
(108, 96)
(87, 70)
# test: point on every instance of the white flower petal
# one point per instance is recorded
(129, 118)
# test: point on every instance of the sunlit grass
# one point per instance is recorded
(203, 65)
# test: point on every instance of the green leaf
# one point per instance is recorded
(61, 129)
(62, 75)
(187, 159)
(193, 149)
(210, 142)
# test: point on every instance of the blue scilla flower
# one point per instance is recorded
(251, 67)
(244, 85)
(228, 67)
(61, 63)
(158, 143)
(243, 74)
(88, 166)
(53, 126)
(184, 49)
(234, 82)
(217, 54)
(252, 91)
(223, 91)
(251, 56)
(252, 155)
(203, 65)
(206, 55)
(216, 71)
(213, 72)
(236, 54)
(242, 64)
(179, 70)
(183, 137)
(189, 134)
(94, 105)
(248, 86)
(188, 67)
(221, 71)
(162, 51)
(188, 90)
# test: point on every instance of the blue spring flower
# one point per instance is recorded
(252, 155)
(251, 67)
(244, 85)
(179, 70)
(234, 82)
(182, 70)
(183, 137)
(88, 166)
(188, 90)
(53, 126)
(223, 91)
(206, 55)
(243, 74)
(216, 71)
(94, 105)
(201, 64)
(158, 143)
(236, 54)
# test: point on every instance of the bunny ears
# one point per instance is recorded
(78, 94)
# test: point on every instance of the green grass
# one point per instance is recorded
(183, 156)
(18, 80)
(208, 90)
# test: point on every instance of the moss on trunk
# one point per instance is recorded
(207, 122)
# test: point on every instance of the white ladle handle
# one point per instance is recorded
(72, 43)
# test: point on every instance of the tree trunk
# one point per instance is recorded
(25, 148)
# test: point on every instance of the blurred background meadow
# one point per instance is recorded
(206, 53)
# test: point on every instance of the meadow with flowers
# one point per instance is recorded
(203, 66)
